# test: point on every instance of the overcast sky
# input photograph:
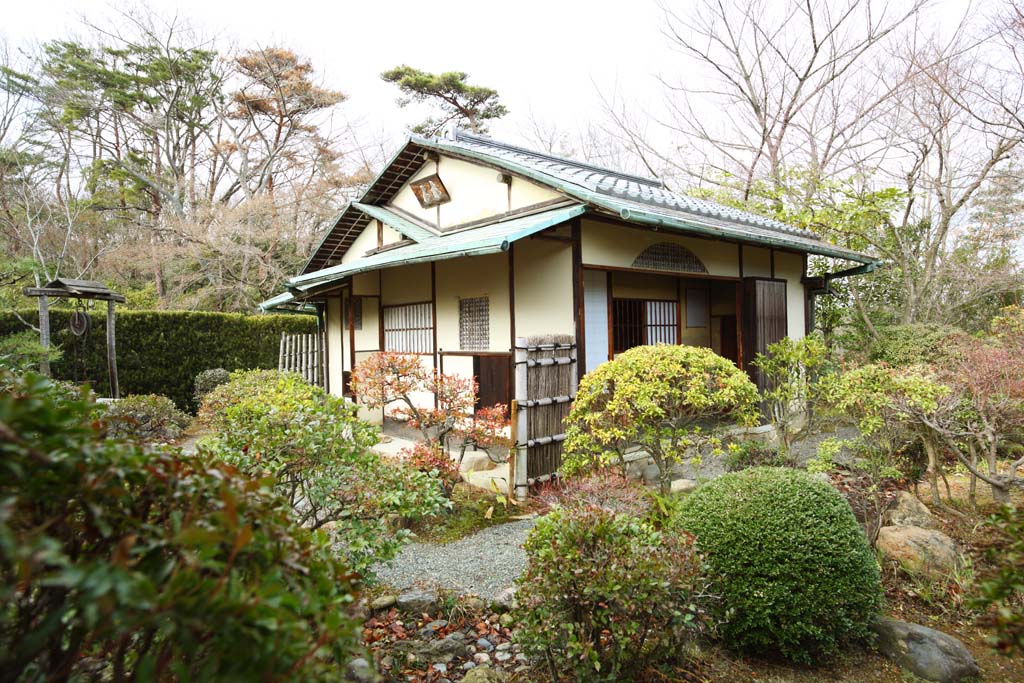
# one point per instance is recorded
(551, 57)
(540, 55)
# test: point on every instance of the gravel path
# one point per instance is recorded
(485, 563)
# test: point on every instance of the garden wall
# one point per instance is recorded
(161, 352)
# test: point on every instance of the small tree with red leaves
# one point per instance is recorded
(392, 380)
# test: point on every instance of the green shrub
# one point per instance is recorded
(118, 563)
(742, 455)
(161, 352)
(919, 343)
(788, 559)
(1001, 590)
(270, 423)
(605, 595)
(21, 351)
(666, 399)
(148, 418)
(207, 381)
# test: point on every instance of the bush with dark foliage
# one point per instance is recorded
(794, 571)
(606, 595)
(147, 418)
(123, 564)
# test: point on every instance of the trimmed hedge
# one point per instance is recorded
(161, 352)
(794, 571)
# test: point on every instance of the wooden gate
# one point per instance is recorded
(545, 385)
(302, 353)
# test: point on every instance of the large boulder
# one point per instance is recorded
(921, 551)
(925, 652)
(444, 650)
(485, 674)
(907, 510)
(418, 601)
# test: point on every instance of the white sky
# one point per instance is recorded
(550, 57)
(540, 55)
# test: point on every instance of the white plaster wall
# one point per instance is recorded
(405, 284)
(791, 268)
(366, 284)
(474, 190)
(473, 277)
(543, 281)
(756, 261)
(613, 245)
(366, 241)
(643, 286)
(368, 337)
(390, 235)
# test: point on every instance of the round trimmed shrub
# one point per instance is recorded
(787, 557)
(208, 380)
(149, 417)
(605, 595)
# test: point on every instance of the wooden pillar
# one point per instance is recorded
(739, 325)
(44, 334)
(115, 391)
(520, 435)
(577, 291)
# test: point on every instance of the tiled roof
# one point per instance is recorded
(491, 238)
(615, 184)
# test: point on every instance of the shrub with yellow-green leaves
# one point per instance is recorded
(668, 400)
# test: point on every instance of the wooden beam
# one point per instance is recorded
(44, 334)
(66, 294)
(739, 325)
(436, 357)
(577, 291)
(115, 391)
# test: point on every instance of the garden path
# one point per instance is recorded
(484, 564)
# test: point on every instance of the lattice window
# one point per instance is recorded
(669, 257)
(636, 322)
(475, 324)
(409, 328)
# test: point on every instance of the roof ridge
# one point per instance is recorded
(462, 135)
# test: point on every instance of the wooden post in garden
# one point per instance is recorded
(79, 290)
(115, 391)
(520, 435)
(44, 334)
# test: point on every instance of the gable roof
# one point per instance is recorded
(585, 187)
(487, 239)
(630, 197)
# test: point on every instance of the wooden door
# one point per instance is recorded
(764, 319)
(728, 339)
(493, 377)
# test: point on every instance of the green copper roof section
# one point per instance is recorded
(286, 303)
(487, 239)
(392, 219)
(640, 212)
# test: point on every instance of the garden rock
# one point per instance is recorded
(683, 485)
(921, 551)
(359, 671)
(476, 462)
(383, 602)
(505, 600)
(418, 601)
(907, 510)
(925, 652)
(485, 674)
(444, 650)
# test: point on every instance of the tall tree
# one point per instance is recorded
(455, 99)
